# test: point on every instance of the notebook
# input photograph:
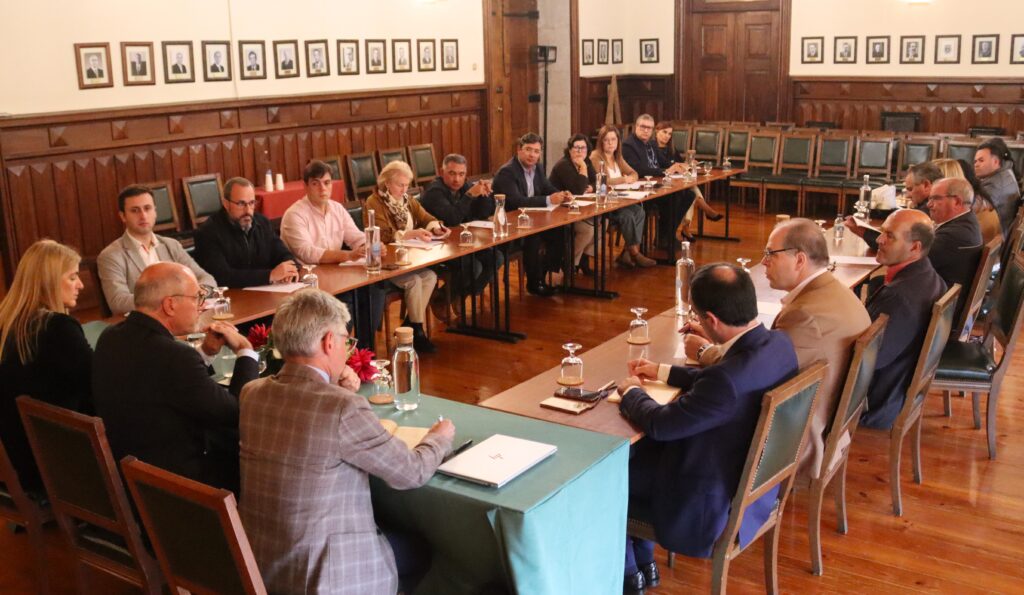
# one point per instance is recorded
(497, 460)
(657, 390)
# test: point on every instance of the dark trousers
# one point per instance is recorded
(412, 558)
(475, 271)
(537, 264)
(679, 203)
(643, 465)
(367, 317)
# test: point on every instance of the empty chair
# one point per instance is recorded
(901, 121)
(25, 509)
(914, 150)
(977, 131)
(874, 157)
(961, 149)
(795, 165)
(423, 162)
(735, 149)
(334, 162)
(386, 156)
(707, 143)
(761, 160)
(834, 165)
(680, 139)
(362, 174)
(821, 124)
(166, 211)
(202, 197)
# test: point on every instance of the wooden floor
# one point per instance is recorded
(962, 530)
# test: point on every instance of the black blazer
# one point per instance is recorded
(158, 401)
(234, 258)
(638, 155)
(511, 181)
(564, 176)
(453, 208)
(59, 374)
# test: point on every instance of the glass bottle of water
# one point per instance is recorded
(838, 228)
(500, 219)
(684, 272)
(405, 369)
(373, 246)
(602, 185)
(864, 200)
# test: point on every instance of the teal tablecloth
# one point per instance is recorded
(558, 528)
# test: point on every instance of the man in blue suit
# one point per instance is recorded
(683, 475)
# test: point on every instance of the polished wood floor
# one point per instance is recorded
(962, 530)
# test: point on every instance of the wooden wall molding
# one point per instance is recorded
(652, 94)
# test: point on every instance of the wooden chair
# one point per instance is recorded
(91, 296)
(821, 124)
(707, 143)
(28, 510)
(761, 160)
(979, 286)
(386, 156)
(202, 196)
(362, 174)
(780, 126)
(844, 424)
(87, 495)
(971, 366)
(423, 162)
(779, 437)
(961, 149)
(681, 136)
(736, 141)
(914, 150)
(166, 212)
(196, 532)
(901, 121)
(978, 131)
(334, 162)
(834, 165)
(874, 157)
(796, 162)
(1017, 153)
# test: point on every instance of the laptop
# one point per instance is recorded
(497, 460)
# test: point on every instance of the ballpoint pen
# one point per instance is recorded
(459, 450)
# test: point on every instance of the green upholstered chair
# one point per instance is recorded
(961, 149)
(736, 141)
(166, 212)
(386, 156)
(762, 159)
(334, 162)
(1017, 152)
(982, 131)
(987, 267)
(901, 121)
(874, 157)
(29, 510)
(834, 164)
(202, 197)
(362, 174)
(707, 143)
(914, 150)
(196, 532)
(680, 139)
(423, 162)
(795, 165)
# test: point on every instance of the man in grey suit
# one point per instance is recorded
(124, 259)
(308, 447)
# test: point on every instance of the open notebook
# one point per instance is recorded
(497, 460)
(657, 390)
(411, 435)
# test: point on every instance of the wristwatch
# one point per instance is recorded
(702, 349)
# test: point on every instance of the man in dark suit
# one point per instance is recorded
(524, 184)
(254, 64)
(155, 393)
(240, 244)
(179, 64)
(686, 470)
(94, 71)
(286, 60)
(911, 288)
(957, 247)
(139, 67)
(217, 65)
(918, 183)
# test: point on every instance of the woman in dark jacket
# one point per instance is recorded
(574, 172)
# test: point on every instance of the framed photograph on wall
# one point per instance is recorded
(348, 56)
(318, 60)
(616, 51)
(1017, 49)
(401, 55)
(449, 54)
(986, 49)
(137, 63)
(602, 51)
(426, 54)
(376, 56)
(947, 49)
(93, 60)
(252, 58)
(876, 50)
(912, 49)
(179, 65)
(649, 51)
(845, 50)
(216, 61)
(286, 59)
(812, 50)
(587, 57)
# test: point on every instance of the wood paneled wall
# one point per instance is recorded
(61, 173)
(945, 105)
(638, 94)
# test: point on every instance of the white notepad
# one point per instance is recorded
(497, 460)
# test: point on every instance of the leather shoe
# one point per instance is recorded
(634, 584)
(651, 576)
(540, 289)
(715, 217)
(643, 261)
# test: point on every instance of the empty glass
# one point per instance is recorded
(523, 221)
(401, 255)
(310, 279)
(465, 236)
(572, 367)
(648, 183)
(574, 207)
(222, 310)
(382, 379)
(743, 263)
(195, 339)
(821, 224)
(638, 328)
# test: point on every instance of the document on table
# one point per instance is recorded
(632, 195)
(861, 260)
(657, 390)
(497, 460)
(548, 208)
(410, 435)
(633, 186)
(481, 224)
(582, 203)
(278, 287)
(417, 244)
(353, 263)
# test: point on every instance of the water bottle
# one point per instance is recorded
(684, 272)
(602, 186)
(373, 245)
(864, 200)
(500, 220)
(838, 228)
(405, 366)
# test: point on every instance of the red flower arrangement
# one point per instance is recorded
(361, 362)
(259, 336)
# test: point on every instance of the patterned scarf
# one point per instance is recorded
(398, 208)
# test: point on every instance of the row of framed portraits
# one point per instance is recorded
(139, 59)
(610, 51)
(984, 49)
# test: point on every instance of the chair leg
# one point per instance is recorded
(895, 445)
(762, 198)
(671, 559)
(37, 536)
(817, 494)
(915, 448)
(976, 404)
(840, 495)
(720, 571)
(771, 560)
(993, 397)
(947, 403)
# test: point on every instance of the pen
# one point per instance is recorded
(459, 450)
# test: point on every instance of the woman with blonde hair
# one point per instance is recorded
(401, 217)
(988, 218)
(44, 352)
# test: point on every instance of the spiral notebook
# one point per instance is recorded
(497, 460)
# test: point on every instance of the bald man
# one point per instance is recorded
(958, 243)
(155, 393)
(911, 288)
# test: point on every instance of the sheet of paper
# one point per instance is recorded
(633, 195)
(353, 263)
(411, 435)
(481, 224)
(861, 260)
(541, 209)
(633, 186)
(681, 354)
(278, 287)
(420, 244)
(582, 203)
(659, 391)
(567, 405)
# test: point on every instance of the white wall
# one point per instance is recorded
(629, 21)
(895, 18)
(37, 37)
(551, 30)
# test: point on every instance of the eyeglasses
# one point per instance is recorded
(769, 253)
(245, 204)
(579, 147)
(350, 345)
(938, 196)
(644, 127)
(199, 297)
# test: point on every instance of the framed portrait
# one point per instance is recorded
(912, 49)
(401, 55)
(348, 56)
(376, 56)
(876, 50)
(426, 52)
(179, 64)
(137, 63)
(844, 50)
(93, 60)
(947, 49)
(286, 59)
(1017, 49)
(216, 61)
(616, 51)
(449, 54)
(602, 51)
(318, 61)
(649, 51)
(812, 50)
(986, 49)
(588, 52)
(252, 60)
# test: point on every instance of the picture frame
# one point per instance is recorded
(401, 55)
(216, 61)
(616, 51)
(286, 59)
(137, 63)
(252, 60)
(348, 57)
(178, 69)
(376, 56)
(426, 55)
(587, 52)
(92, 61)
(985, 49)
(649, 53)
(844, 50)
(947, 49)
(912, 49)
(812, 50)
(318, 58)
(449, 54)
(1017, 49)
(602, 51)
(876, 49)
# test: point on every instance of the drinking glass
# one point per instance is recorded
(648, 183)
(572, 367)
(310, 279)
(195, 339)
(821, 224)
(743, 263)
(574, 207)
(401, 255)
(382, 379)
(523, 221)
(222, 310)
(465, 236)
(638, 328)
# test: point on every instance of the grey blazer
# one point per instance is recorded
(120, 266)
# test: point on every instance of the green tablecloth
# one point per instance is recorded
(558, 528)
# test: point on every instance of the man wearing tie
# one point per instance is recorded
(179, 64)
(138, 65)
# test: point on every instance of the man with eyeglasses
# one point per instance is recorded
(957, 247)
(156, 394)
(918, 183)
(238, 245)
(124, 259)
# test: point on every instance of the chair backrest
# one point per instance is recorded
(874, 156)
(901, 121)
(736, 141)
(356, 213)
(334, 162)
(821, 124)
(763, 150)
(423, 162)
(386, 156)
(202, 196)
(195, 530)
(1006, 313)
(680, 139)
(1017, 154)
(16, 506)
(986, 265)
(915, 150)
(835, 155)
(961, 149)
(781, 126)
(166, 211)
(797, 153)
(707, 143)
(362, 174)
(976, 131)
(91, 295)
(939, 327)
